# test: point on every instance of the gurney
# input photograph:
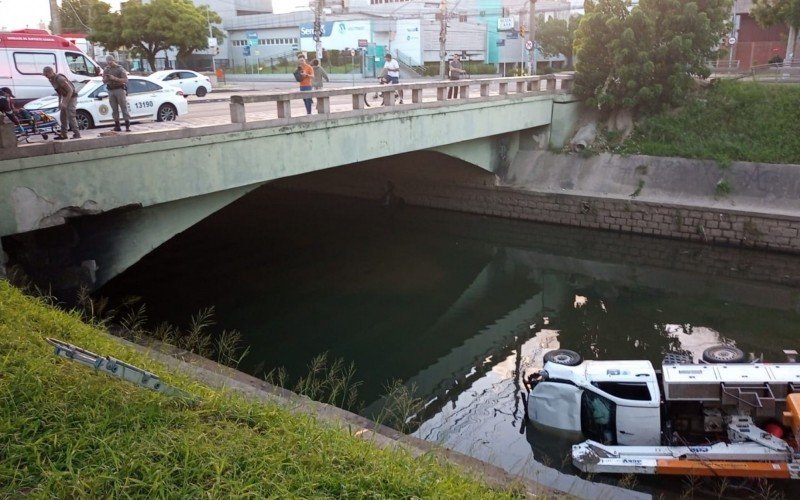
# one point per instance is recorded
(33, 123)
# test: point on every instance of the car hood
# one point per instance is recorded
(43, 103)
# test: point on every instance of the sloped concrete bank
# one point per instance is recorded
(753, 205)
(549, 482)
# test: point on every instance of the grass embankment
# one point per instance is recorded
(730, 121)
(66, 431)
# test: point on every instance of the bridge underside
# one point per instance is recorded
(187, 176)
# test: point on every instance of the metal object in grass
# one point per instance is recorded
(115, 368)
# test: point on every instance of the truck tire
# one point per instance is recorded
(723, 354)
(563, 357)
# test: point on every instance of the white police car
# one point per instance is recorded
(147, 100)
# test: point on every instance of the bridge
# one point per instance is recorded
(185, 174)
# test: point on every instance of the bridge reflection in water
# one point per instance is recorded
(458, 305)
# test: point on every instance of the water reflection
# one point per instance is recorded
(457, 305)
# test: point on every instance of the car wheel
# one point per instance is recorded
(84, 120)
(167, 113)
(723, 354)
(563, 357)
(201, 91)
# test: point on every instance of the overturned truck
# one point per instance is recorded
(717, 417)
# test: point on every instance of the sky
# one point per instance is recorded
(19, 14)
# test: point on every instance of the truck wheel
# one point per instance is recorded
(723, 354)
(563, 357)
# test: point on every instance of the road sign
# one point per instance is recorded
(362, 42)
(732, 40)
(252, 38)
(246, 50)
(352, 53)
(505, 24)
(528, 44)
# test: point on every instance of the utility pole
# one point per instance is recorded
(55, 17)
(532, 28)
(318, 12)
(442, 37)
(210, 36)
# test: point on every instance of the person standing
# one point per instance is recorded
(116, 81)
(67, 102)
(319, 74)
(392, 68)
(455, 73)
(306, 84)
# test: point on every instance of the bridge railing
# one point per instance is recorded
(486, 87)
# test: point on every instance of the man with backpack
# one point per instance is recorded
(67, 102)
(305, 75)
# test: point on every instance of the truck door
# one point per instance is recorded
(598, 418)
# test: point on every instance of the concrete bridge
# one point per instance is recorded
(188, 173)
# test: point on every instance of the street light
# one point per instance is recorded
(318, 12)
(210, 37)
(532, 27)
(442, 37)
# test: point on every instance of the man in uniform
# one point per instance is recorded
(67, 102)
(116, 81)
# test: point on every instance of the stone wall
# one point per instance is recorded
(671, 198)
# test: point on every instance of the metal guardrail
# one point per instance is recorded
(513, 85)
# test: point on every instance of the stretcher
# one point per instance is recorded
(36, 123)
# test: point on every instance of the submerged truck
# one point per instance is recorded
(720, 416)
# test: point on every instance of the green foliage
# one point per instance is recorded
(79, 16)
(739, 121)
(68, 432)
(771, 12)
(645, 58)
(557, 36)
(149, 28)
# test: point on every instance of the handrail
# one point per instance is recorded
(560, 82)
(405, 61)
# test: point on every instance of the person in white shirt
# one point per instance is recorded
(392, 72)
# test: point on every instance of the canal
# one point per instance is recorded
(458, 306)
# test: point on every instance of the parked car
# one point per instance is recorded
(147, 100)
(192, 83)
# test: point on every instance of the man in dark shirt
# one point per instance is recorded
(7, 105)
(116, 81)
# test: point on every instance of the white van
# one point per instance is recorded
(23, 55)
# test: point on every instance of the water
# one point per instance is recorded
(458, 305)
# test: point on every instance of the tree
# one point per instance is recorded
(557, 36)
(771, 12)
(194, 22)
(157, 26)
(644, 59)
(79, 16)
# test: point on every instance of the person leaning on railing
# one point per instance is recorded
(455, 73)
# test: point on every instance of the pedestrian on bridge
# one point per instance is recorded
(306, 84)
(455, 73)
(319, 74)
(67, 102)
(392, 68)
(116, 80)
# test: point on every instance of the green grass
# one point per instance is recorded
(68, 432)
(731, 121)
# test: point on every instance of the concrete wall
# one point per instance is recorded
(665, 197)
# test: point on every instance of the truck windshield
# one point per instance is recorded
(598, 418)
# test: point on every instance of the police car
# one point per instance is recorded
(147, 100)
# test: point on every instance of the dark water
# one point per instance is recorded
(458, 305)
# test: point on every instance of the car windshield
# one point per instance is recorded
(85, 87)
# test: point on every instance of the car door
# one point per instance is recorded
(189, 82)
(142, 98)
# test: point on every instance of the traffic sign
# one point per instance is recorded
(352, 53)
(732, 40)
(246, 50)
(363, 42)
(528, 44)
(252, 38)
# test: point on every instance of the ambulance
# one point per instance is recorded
(23, 55)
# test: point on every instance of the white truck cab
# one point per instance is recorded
(615, 402)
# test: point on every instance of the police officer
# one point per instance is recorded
(116, 80)
(67, 102)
